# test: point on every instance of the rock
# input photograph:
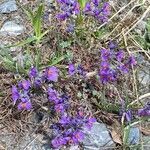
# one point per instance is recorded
(11, 28)
(8, 6)
(143, 74)
(97, 137)
(74, 147)
(140, 28)
(49, 2)
(134, 136)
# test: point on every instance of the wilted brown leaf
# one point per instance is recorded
(145, 131)
(116, 137)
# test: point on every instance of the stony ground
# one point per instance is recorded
(14, 26)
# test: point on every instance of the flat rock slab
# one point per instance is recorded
(98, 137)
(134, 136)
(11, 28)
(8, 6)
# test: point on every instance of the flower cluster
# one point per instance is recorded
(21, 93)
(144, 111)
(96, 8)
(114, 63)
(68, 128)
(59, 102)
(72, 70)
(69, 131)
(128, 113)
(67, 8)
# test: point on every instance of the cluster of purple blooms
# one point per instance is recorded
(96, 8)
(114, 63)
(67, 131)
(73, 70)
(21, 93)
(128, 113)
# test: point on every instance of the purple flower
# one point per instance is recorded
(64, 120)
(105, 54)
(77, 137)
(132, 61)
(120, 55)
(90, 122)
(128, 115)
(15, 94)
(37, 82)
(143, 112)
(52, 74)
(59, 108)
(24, 97)
(112, 45)
(53, 95)
(58, 142)
(72, 69)
(96, 2)
(24, 106)
(87, 7)
(105, 65)
(62, 17)
(33, 72)
(123, 68)
(25, 84)
(106, 9)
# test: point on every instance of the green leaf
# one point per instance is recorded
(82, 3)
(37, 20)
(22, 43)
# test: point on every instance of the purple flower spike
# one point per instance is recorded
(87, 7)
(53, 95)
(65, 120)
(33, 72)
(26, 84)
(120, 56)
(15, 94)
(105, 54)
(132, 61)
(59, 108)
(58, 142)
(71, 69)
(128, 115)
(123, 68)
(24, 106)
(144, 112)
(77, 137)
(90, 122)
(96, 2)
(52, 74)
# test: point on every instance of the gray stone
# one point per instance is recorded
(134, 136)
(49, 1)
(74, 147)
(11, 28)
(97, 137)
(143, 74)
(8, 6)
